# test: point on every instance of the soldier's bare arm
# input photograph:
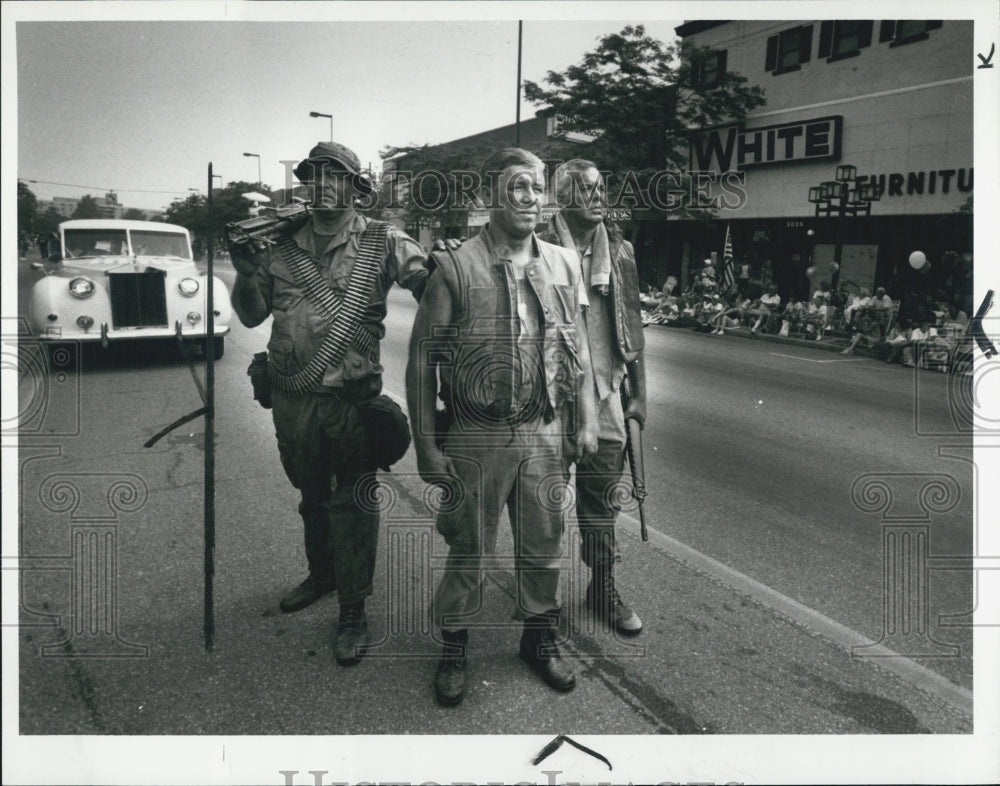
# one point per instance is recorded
(421, 381)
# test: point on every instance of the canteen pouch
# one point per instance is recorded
(260, 379)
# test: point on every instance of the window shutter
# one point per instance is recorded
(825, 38)
(887, 31)
(933, 24)
(865, 33)
(771, 61)
(805, 43)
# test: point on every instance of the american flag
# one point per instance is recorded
(728, 274)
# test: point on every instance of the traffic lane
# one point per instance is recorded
(773, 498)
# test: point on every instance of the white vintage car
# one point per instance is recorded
(117, 280)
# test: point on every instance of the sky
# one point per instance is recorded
(143, 107)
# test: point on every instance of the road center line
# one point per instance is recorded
(813, 360)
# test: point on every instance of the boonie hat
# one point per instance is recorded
(339, 154)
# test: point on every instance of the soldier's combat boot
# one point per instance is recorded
(449, 682)
(605, 602)
(540, 651)
(307, 593)
(352, 635)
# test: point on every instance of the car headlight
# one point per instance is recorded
(188, 287)
(81, 288)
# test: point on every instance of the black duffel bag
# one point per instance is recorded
(387, 430)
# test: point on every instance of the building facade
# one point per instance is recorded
(533, 134)
(893, 100)
(66, 206)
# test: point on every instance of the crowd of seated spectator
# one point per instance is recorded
(765, 308)
(735, 312)
(922, 331)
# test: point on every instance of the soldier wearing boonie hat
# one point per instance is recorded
(333, 152)
(327, 447)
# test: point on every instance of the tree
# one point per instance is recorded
(641, 100)
(49, 221)
(134, 214)
(27, 208)
(428, 184)
(87, 208)
(227, 206)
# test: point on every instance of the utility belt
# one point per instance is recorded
(262, 376)
(385, 424)
(495, 414)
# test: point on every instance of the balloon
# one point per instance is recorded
(917, 260)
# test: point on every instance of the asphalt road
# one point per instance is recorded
(760, 573)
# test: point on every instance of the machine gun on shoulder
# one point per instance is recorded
(268, 228)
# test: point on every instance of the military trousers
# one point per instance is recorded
(520, 468)
(321, 439)
(600, 490)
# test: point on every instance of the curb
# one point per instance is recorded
(834, 343)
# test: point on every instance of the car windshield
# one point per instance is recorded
(95, 243)
(162, 244)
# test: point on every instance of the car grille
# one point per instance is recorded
(138, 299)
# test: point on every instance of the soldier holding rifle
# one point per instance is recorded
(614, 333)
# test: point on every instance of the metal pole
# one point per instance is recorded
(841, 214)
(517, 122)
(210, 433)
(331, 128)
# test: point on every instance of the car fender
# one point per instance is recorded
(50, 295)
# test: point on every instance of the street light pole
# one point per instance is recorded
(838, 197)
(517, 121)
(323, 114)
(257, 156)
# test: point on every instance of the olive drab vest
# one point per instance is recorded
(475, 354)
(623, 301)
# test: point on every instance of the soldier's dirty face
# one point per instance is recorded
(521, 191)
(582, 197)
(336, 185)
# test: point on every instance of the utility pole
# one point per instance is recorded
(517, 121)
